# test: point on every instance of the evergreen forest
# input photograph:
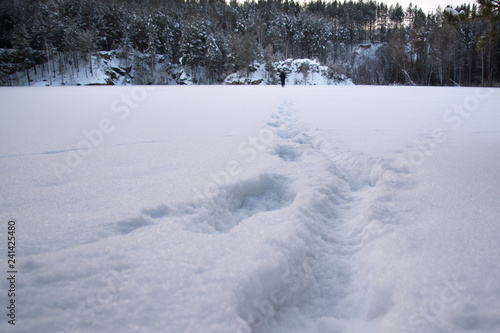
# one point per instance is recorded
(211, 39)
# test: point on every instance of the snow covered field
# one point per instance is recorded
(252, 209)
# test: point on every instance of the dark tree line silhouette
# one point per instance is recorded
(451, 46)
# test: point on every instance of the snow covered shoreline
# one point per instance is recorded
(253, 209)
(107, 68)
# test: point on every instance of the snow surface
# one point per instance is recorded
(252, 209)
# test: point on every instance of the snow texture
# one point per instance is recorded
(252, 209)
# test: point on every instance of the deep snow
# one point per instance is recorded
(252, 209)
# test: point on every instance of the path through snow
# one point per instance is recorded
(343, 200)
(298, 211)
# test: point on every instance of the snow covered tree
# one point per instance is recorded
(245, 50)
(215, 57)
(87, 43)
(194, 44)
(489, 42)
(270, 59)
(25, 53)
(399, 56)
(71, 46)
(142, 69)
(168, 31)
(304, 69)
(460, 44)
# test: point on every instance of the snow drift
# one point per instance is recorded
(253, 209)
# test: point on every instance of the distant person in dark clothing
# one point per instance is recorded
(283, 78)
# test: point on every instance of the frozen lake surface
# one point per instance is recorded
(252, 209)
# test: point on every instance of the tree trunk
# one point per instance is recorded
(48, 59)
(482, 68)
(91, 67)
(54, 67)
(86, 72)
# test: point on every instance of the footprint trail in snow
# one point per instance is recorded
(321, 208)
(343, 200)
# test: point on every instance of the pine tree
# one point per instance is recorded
(215, 57)
(25, 53)
(488, 42)
(245, 50)
(458, 46)
(194, 45)
(87, 43)
(396, 15)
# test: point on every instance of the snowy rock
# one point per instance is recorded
(237, 79)
(298, 71)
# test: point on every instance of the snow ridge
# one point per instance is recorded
(231, 205)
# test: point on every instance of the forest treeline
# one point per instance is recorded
(451, 46)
